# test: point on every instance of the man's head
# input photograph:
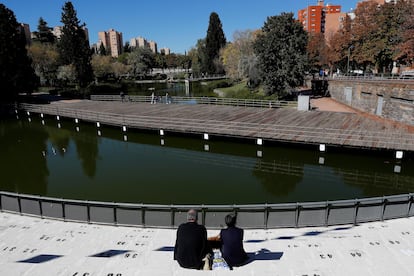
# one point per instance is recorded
(230, 220)
(192, 216)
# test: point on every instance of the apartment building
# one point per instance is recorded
(57, 32)
(333, 22)
(321, 18)
(165, 51)
(314, 18)
(112, 41)
(138, 42)
(143, 43)
(153, 46)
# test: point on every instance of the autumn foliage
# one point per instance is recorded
(378, 37)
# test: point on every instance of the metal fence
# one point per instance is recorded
(212, 216)
(199, 100)
(392, 78)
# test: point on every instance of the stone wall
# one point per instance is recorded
(388, 99)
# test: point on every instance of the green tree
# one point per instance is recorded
(102, 50)
(184, 61)
(141, 61)
(74, 47)
(198, 57)
(127, 48)
(16, 72)
(215, 40)
(161, 61)
(44, 33)
(281, 52)
(171, 61)
(44, 61)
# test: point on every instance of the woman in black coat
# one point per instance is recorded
(232, 243)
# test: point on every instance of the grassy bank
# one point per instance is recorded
(240, 90)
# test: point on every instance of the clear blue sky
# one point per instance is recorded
(173, 24)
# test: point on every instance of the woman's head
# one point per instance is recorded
(230, 220)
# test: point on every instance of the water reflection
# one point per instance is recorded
(23, 166)
(74, 162)
(87, 149)
(86, 146)
(285, 183)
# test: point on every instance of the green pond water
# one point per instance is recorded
(74, 161)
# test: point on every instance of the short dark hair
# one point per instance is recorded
(230, 220)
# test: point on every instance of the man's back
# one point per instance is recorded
(191, 245)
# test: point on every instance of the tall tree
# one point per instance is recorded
(238, 57)
(127, 48)
(281, 52)
(16, 72)
(339, 47)
(405, 48)
(141, 61)
(365, 40)
(389, 20)
(102, 50)
(44, 34)
(44, 61)
(74, 47)
(198, 57)
(317, 51)
(215, 40)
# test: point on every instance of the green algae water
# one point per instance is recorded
(78, 161)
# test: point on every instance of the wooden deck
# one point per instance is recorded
(273, 124)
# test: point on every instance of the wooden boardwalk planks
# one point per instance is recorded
(280, 124)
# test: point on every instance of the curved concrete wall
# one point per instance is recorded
(212, 216)
(390, 99)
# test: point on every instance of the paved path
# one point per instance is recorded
(329, 104)
(33, 246)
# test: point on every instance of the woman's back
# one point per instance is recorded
(232, 246)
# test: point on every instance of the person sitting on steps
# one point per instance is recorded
(191, 244)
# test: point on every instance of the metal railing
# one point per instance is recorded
(393, 78)
(260, 216)
(199, 100)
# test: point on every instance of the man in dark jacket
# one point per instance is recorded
(191, 243)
